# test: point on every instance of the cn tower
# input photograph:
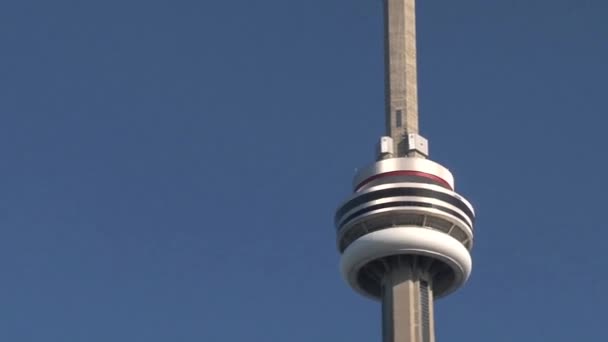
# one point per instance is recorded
(405, 235)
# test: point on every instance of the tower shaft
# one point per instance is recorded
(407, 305)
(400, 73)
(405, 235)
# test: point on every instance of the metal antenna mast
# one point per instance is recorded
(401, 74)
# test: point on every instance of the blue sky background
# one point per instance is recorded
(169, 169)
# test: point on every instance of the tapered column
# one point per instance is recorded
(407, 306)
(400, 74)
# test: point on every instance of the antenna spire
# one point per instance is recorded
(401, 80)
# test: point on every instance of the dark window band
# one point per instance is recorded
(395, 192)
(401, 204)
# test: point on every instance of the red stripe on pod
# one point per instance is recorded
(406, 173)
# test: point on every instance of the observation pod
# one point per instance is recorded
(404, 212)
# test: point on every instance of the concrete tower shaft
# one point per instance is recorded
(400, 72)
(405, 235)
(407, 301)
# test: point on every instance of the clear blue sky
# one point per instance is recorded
(169, 169)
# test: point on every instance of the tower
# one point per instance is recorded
(405, 235)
